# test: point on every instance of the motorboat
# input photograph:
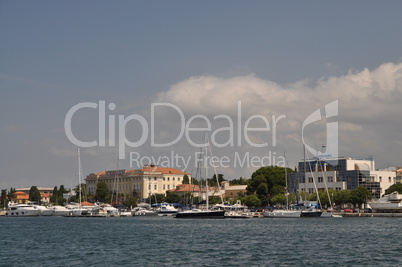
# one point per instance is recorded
(238, 211)
(167, 209)
(22, 210)
(388, 203)
(59, 211)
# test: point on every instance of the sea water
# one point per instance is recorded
(166, 241)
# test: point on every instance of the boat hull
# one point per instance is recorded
(310, 214)
(22, 211)
(214, 214)
(282, 214)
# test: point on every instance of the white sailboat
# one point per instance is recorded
(78, 210)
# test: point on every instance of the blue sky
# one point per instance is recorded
(56, 54)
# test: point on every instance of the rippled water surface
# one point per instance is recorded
(165, 241)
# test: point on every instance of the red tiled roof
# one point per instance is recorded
(163, 170)
(21, 195)
(187, 188)
(152, 169)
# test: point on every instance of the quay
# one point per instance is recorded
(369, 214)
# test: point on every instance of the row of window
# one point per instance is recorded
(312, 190)
(330, 179)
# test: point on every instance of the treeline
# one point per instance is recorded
(34, 196)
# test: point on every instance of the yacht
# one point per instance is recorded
(167, 209)
(22, 210)
(139, 211)
(388, 203)
(311, 212)
(201, 214)
(238, 211)
(59, 211)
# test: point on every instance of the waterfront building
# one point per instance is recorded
(20, 197)
(399, 176)
(225, 190)
(340, 174)
(233, 191)
(151, 179)
(23, 194)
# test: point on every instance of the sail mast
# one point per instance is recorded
(206, 172)
(79, 176)
(286, 183)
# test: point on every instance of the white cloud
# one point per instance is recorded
(369, 100)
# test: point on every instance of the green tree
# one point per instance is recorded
(267, 182)
(360, 196)
(53, 198)
(186, 180)
(194, 181)
(130, 202)
(102, 191)
(11, 194)
(214, 200)
(278, 199)
(3, 198)
(240, 181)
(251, 201)
(187, 198)
(324, 197)
(34, 194)
(61, 191)
(342, 197)
(394, 188)
(156, 198)
(172, 197)
(77, 193)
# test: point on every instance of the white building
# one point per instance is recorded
(340, 174)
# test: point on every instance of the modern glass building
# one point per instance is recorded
(340, 174)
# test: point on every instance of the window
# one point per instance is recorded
(380, 179)
(389, 179)
(168, 186)
(330, 179)
(320, 179)
(154, 178)
(310, 179)
(164, 187)
(173, 178)
(164, 178)
(168, 178)
(155, 187)
(178, 178)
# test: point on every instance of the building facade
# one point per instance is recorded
(340, 174)
(142, 183)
